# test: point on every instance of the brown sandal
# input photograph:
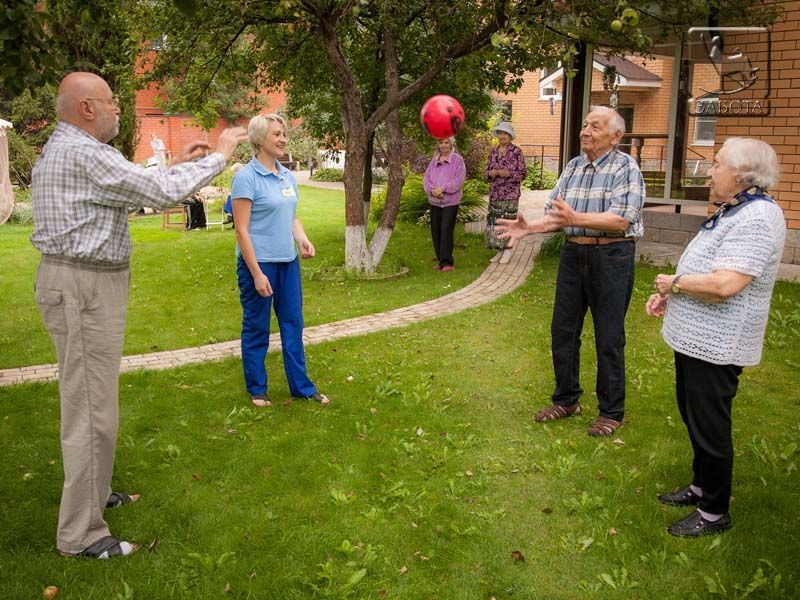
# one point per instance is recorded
(556, 411)
(603, 427)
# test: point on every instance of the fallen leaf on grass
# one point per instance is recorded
(231, 431)
(547, 511)
(403, 570)
(619, 442)
(468, 473)
(373, 410)
(517, 556)
(612, 531)
(253, 574)
(152, 545)
(196, 476)
(228, 589)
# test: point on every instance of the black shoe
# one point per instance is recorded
(695, 525)
(684, 497)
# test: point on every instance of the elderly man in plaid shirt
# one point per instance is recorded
(597, 202)
(82, 192)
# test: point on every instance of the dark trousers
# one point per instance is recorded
(705, 394)
(443, 224)
(599, 278)
(287, 298)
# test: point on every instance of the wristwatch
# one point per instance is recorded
(675, 288)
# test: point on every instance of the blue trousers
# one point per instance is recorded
(287, 298)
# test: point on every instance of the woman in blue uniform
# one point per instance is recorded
(268, 233)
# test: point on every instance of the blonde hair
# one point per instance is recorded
(259, 127)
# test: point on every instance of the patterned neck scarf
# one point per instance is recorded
(739, 200)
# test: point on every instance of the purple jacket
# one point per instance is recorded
(506, 188)
(448, 175)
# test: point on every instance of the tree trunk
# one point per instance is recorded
(394, 143)
(367, 192)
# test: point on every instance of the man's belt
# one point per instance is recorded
(597, 241)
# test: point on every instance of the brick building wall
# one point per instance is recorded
(178, 130)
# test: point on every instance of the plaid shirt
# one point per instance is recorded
(82, 190)
(612, 183)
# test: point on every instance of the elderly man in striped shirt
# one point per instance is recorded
(82, 192)
(597, 202)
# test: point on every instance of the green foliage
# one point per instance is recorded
(414, 205)
(553, 245)
(21, 157)
(43, 41)
(22, 213)
(328, 174)
(539, 177)
(332, 174)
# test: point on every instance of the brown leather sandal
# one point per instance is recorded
(603, 427)
(556, 411)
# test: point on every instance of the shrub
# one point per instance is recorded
(328, 175)
(539, 177)
(414, 201)
(22, 214)
(21, 157)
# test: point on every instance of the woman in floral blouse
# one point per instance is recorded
(505, 172)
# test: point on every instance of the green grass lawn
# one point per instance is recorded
(421, 478)
(183, 284)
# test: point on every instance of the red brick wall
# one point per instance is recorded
(781, 128)
(178, 130)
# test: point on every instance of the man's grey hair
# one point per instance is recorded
(754, 160)
(617, 123)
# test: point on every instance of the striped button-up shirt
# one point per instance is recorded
(611, 183)
(82, 190)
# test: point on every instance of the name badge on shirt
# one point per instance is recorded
(287, 192)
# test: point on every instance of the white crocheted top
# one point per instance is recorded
(749, 241)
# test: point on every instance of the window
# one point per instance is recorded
(705, 123)
(549, 92)
(549, 78)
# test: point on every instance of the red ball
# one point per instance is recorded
(442, 116)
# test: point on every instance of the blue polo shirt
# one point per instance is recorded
(274, 199)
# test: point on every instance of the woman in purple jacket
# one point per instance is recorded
(443, 181)
(505, 172)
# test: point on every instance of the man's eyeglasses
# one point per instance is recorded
(113, 100)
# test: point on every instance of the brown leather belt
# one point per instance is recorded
(598, 241)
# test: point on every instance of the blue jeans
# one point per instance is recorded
(598, 278)
(287, 297)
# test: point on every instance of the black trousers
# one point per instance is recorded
(443, 225)
(598, 278)
(705, 394)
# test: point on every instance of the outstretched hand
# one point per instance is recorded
(512, 229)
(191, 151)
(230, 138)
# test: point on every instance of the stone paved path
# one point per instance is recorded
(497, 280)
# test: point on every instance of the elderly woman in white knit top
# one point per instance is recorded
(715, 312)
